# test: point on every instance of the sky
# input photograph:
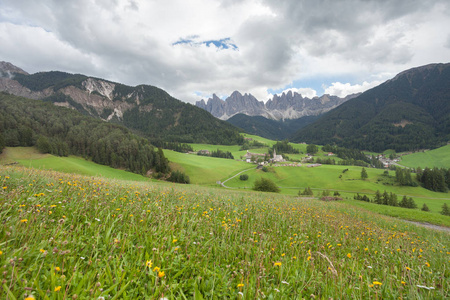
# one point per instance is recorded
(194, 48)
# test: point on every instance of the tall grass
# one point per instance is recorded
(73, 237)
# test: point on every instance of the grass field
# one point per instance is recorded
(205, 170)
(72, 237)
(293, 179)
(439, 158)
(30, 157)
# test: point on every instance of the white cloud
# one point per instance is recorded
(344, 89)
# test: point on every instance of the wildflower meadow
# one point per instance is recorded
(67, 236)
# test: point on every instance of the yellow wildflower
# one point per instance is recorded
(277, 264)
(161, 274)
(240, 285)
(156, 269)
(148, 263)
(349, 255)
(57, 288)
(377, 283)
(23, 221)
(57, 269)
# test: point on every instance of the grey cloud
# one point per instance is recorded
(105, 39)
(346, 28)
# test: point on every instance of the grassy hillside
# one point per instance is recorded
(119, 240)
(293, 179)
(205, 170)
(30, 157)
(439, 158)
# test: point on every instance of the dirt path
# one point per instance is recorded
(428, 225)
(223, 183)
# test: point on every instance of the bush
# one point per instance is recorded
(266, 185)
(179, 177)
(425, 207)
(306, 192)
(243, 177)
(329, 198)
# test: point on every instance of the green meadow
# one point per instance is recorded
(208, 171)
(68, 236)
(439, 158)
(205, 170)
(30, 157)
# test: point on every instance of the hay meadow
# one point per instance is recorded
(67, 236)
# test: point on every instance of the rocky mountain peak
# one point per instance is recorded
(7, 70)
(288, 105)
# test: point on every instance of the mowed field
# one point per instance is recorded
(205, 170)
(439, 158)
(291, 180)
(30, 157)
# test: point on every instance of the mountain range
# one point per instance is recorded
(147, 110)
(408, 112)
(287, 106)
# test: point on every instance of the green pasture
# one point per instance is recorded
(326, 177)
(260, 139)
(234, 149)
(416, 215)
(30, 157)
(439, 158)
(203, 169)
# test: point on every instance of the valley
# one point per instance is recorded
(88, 209)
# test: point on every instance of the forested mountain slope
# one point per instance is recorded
(270, 129)
(62, 131)
(149, 111)
(410, 111)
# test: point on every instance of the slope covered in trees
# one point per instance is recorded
(270, 129)
(62, 131)
(147, 110)
(408, 112)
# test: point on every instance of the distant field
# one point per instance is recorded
(293, 179)
(433, 158)
(30, 157)
(205, 170)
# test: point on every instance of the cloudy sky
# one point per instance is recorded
(193, 48)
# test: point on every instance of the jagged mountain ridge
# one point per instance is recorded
(146, 109)
(287, 106)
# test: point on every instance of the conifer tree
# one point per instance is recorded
(364, 175)
(445, 210)
(425, 207)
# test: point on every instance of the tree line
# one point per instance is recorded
(61, 131)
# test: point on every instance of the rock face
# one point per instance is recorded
(149, 111)
(287, 106)
(8, 69)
